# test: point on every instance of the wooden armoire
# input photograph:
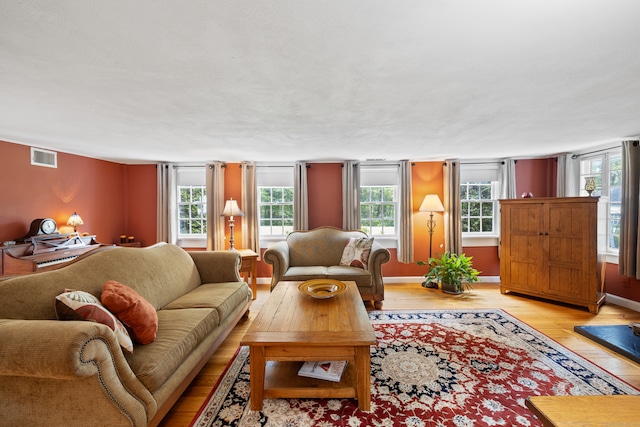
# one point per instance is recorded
(548, 249)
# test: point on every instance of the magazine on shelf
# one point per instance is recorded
(330, 371)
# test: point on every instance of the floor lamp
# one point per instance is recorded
(231, 209)
(431, 204)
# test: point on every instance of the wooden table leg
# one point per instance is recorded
(363, 380)
(256, 373)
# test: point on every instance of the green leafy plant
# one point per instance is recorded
(454, 272)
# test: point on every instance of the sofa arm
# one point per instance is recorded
(217, 266)
(278, 256)
(44, 364)
(378, 256)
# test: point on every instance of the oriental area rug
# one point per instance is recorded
(430, 368)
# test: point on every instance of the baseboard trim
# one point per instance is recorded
(623, 302)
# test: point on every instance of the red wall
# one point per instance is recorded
(141, 198)
(537, 176)
(93, 188)
(324, 185)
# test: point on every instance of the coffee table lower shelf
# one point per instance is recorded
(282, 381)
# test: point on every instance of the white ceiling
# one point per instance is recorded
(175, 80)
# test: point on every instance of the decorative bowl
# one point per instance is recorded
(322, 288)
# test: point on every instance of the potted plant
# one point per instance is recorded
(453, 272)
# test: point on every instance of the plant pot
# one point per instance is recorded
(450, 288)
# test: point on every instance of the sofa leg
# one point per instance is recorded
(377, 305)
(245, 316)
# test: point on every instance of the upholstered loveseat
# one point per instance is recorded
(318, 254)
(75, 373)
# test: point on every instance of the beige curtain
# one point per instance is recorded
(405, 244)
(300, 198)
(568, 176)
(629, 253)
(166, 223)
(215, 206)
(351, 195)
(250, 227)
(452, 209)
(508, 179)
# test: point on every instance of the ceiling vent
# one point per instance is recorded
(46, 158)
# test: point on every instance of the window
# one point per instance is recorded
(607, 170)
(379, 193)
(191, 209)
(378, 210)
(275, 200)
(276, 210)
(479, 193)
(478, 202)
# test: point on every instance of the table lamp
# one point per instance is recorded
(231, 209)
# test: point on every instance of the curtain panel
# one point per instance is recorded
(508, 179)
(250, 227)
(452, 208)
(568, 176)
(405, 232)
(166, 230)
(215, 206)
(300, 197)
(628, 255)
(351, 195)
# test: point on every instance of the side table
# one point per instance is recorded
(249, 267)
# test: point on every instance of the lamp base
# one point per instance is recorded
(430, 285)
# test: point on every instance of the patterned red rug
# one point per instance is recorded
(430, 368)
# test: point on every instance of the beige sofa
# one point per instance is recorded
(74, 373)
(316, 254)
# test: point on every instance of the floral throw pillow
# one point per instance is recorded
(356, 252)
(80, 305)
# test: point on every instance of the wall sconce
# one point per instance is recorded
(231, 209)
(75, 220)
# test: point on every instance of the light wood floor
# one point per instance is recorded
(553, 319)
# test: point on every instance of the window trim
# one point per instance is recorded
(605, 155)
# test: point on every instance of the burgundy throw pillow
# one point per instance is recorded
(138, 315)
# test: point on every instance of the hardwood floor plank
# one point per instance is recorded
(552, 319)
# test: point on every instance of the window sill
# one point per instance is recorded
(476, 241)
(192, 242)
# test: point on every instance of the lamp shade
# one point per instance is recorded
(75, 220)
(231, 208)
(431, 203)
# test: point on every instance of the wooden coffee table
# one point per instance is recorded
(293, 327)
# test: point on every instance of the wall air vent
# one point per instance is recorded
(46, 158)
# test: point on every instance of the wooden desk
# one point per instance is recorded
(586, 411)
(292, 327)
(249, 267)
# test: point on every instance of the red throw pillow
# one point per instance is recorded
(138, 315)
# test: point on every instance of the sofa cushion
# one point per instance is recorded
(356, 252)
(306, 273)
(179, 333)
(80, 305)
(355, 274)
(337, 272)
(138, 315)
(224, 297)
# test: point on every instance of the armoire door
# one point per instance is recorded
(569, 232)
(522, 243)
